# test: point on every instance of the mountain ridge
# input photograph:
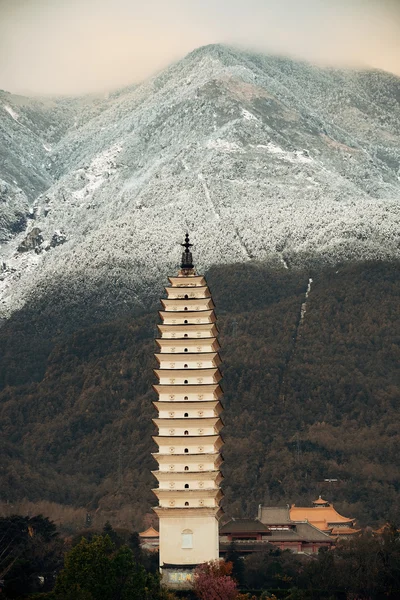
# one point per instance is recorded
(287, 162)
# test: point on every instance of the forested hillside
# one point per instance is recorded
(312, 390)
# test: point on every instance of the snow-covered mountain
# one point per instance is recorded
(260, 157)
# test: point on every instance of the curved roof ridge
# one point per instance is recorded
(327, 514)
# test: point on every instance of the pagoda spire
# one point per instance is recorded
(187, 259)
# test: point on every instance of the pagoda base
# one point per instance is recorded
(188, 537)
(177, 577)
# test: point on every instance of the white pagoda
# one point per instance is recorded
(189, 426)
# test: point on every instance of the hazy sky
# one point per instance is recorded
(78, 46)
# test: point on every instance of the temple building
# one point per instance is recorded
(252, 535)
(149, 540)
(323, 515)
(189, 425)
(300, 529)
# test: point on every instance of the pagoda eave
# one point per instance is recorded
(195, 280)
(188, 290)
(203, 356)
(189, 342)
(199, 511)
(214, 475)
(187, 327)
(214, 422)
(207, 372)
(213, 493)
(189, 314)
(189, 440)
(194, 405)
(198, 388)
(191, 302)
(213, 457)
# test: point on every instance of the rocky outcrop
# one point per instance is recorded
(32, 241)
(58, 238)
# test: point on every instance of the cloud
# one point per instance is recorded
(59, 46)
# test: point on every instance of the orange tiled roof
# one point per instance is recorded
(149, 533)
(344, 531)
(323, 517)
(320, 501)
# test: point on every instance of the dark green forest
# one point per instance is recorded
(305, 399)
(37, 562)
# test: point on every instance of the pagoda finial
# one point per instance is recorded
(187, 259)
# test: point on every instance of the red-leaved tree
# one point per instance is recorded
(213, 581)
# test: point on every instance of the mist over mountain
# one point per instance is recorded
(261, 158)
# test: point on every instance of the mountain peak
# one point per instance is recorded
(219, 51)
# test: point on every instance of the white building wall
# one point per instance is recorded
(178, 346)
(195, 429)
(179, 463)
(194, 484)
(187, 396)
(179, 412)
(189, 333)
(188, 293)
(204, 536)
(170, 318)
(187, 362)
(172, 447)
(188, 378)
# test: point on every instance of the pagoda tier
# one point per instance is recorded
(188, 376)
(194, 281)
(187, 293)
(188, 330)
(203, 425)
(192, 317)
(169, 498)
(186, 346)
(197, 360)
(188, 444)
(208, 479)
(188, 422)
(169, 410)
(195, 304)
(206, 461)
(188, 515)
(186, 393)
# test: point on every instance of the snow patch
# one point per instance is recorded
(223, 145)
(249, 116)
(11, 112)
(309, 287)
(284, 262)
(101, 167)
(304, 305)
(298, 156)
(208, 195)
